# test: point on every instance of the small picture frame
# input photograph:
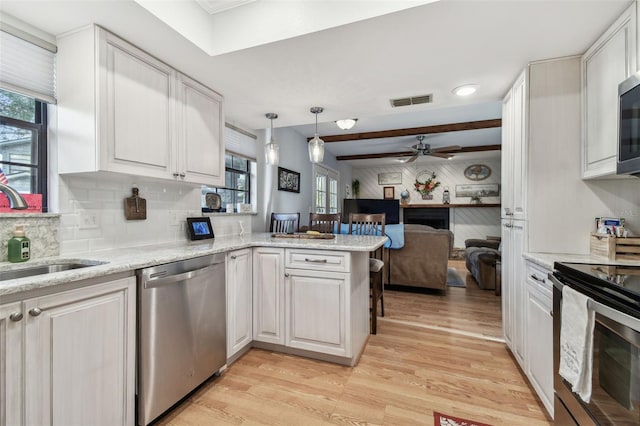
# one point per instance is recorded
(199, 228)
(388, 192)
(288, 180)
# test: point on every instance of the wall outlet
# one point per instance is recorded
(88, 220)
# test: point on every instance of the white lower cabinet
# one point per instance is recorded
(239, 301)
(268, 295)
(539, 333)
(316, 310)
(316, 301)
(11, 364)
(78, 366)
(513, 317)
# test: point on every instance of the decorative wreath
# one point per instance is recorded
(428, 185)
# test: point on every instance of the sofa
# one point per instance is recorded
(482, 258)
(422, 261)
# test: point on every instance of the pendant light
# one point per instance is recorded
(316, 145)
(271, 150)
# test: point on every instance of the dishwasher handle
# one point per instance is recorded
(172, 279)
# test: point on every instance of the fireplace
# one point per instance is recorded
(437, 217)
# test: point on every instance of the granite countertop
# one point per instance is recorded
(129, 259)
(546, 260)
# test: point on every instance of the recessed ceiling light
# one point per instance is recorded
(346, 124)
(466, 90)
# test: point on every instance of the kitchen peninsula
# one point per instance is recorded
(299, 296)
(331, 273)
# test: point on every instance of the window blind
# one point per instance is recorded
(240, 142)
(26, 68)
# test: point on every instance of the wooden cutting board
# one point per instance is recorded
(306, 236)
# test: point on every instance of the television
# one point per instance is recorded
(372, 206)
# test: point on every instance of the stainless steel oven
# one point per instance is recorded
(615, 299)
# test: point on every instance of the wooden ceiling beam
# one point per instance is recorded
(409, 153)
(413, 131)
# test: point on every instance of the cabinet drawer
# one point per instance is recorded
(317, 260)
(538, 277)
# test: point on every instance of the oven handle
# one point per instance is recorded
(605, 311)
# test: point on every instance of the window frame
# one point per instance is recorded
(328, 174)
(246, 173)
(39, 126)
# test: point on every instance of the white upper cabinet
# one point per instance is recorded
(514, 150)
(610, 60)
(200, 126)
(122, 110)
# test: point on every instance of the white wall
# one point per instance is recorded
(465, 223)
(294, 155)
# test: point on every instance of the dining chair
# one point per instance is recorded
(284, 222)
(372, 224)
(327, 223)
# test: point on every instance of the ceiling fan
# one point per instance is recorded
(421, 149)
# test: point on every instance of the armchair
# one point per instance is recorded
(482, 260)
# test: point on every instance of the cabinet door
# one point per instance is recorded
(200, 138)
(268, 295)
(507, 156)
(514, 170)
(80, 356)
(11, 364)
(136, 110)
(610, 60)
(519, 148)
(316, 311)
(539, 334)
(513, 302)
(517, 246)
(239, 301)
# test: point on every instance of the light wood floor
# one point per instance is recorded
(471, 309)
(405, 374)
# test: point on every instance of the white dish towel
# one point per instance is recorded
(576, 342)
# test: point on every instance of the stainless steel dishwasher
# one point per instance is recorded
(181, 331)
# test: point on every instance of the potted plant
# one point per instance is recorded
(356, 188)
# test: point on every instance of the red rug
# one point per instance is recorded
(447, 420)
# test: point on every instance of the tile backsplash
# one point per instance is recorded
(92, 213)
(41, 229)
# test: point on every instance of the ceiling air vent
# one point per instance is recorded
(414, 100)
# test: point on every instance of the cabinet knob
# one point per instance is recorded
(35, 312)
(16, 316)
(183, 175)
(286, 274)
(234, 257)
(176, 174)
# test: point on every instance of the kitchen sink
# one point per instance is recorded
(44, 269)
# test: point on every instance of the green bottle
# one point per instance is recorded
(19, 246)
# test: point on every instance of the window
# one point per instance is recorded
(325, 190)
(23, 143)
(237, 180)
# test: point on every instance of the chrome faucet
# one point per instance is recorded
(16, 201)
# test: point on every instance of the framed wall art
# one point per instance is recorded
(392, 178)
(477, 172)
(478, 190)
(389, 192)
(288, 180)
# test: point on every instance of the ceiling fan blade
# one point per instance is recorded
(447, 148)
(412, 159)
(441, 154)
